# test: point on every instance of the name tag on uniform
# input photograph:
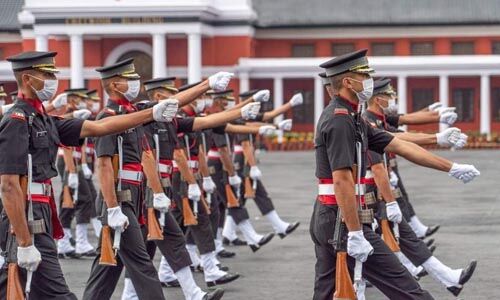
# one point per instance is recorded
(41, 133)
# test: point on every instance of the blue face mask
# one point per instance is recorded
(367, 91)
(49, 89)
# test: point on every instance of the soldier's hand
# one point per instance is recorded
(448, 118)
(393, 179)
(462, 141)
(255, 173)
(267, 130)
(463, 172)
(219, 81)
(434, 106)
(208, 184)
(165, 110)
(296, 100)
(194, 192)
(87, 172)
(250, 111)
(73, 180)
(28, 257)
(286, 125)
(448, 137)
(60, 101)
(357, 246)
(443, 110)
(161, 202)
(116, 219)
(262, 96)
(393, 212)
(82, 114)
(234, 181)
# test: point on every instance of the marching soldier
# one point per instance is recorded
(342, 139)
(26, 171)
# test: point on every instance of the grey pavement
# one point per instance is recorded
(469, 216)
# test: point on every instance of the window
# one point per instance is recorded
(342, 48)
(462, 48)
(422, 98)
(304, 114)
(303, 50)
(382, 49)
(463, 100)
(422, 48)
(495, 105)
(495, 47)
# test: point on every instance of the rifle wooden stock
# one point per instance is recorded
(14, 287)
(344, 289)
(388, 237)
(205, 204)
(249, 191)
(232, 201)
(154, 231)
(187, 213)
(116, 165)
(107, 253)
(67, 198)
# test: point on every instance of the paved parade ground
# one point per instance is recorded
(469, 216)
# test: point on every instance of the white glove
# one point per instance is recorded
(82, 114)
(443, 110)
(462, 141)
(393, 179)
(73, 180)
(116, 219)
(60, 100)
(87, 172)
(250, 111)
(286, 125)
(262, 96)
(464, 172)
(357, 246)
(5, 108)
(434, 106)
(194, 192)
(297, 99)
(448, 137)
(448, 118)
(208, 185)
(28, 257)
(165, 110)
(161, 202)
(267, 130)
(234, 181)
(255, 173)
(393, 212)
(219, 81)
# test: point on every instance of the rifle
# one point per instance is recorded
(387, 234)
(67, 197)
(188, 155)
(149, 166)
(206, 201)
(250, 186)
(187, 212)
(343, 284)
(232, 199)
(154, 231)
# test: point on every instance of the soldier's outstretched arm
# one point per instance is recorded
(296, 99)
(218, 82)
(14, 204)
(418, 155)
(343, 185)
(419, 117)
(248, 111)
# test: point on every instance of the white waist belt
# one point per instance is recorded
(163, 168)
(40, 189)
(368, 174)
(192, 164)
(131, 175)
(60, 152)
(214, 154)
(238, 148)
(89, 150)
(77, 154)
(328, 190)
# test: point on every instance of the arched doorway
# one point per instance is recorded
(143, 66)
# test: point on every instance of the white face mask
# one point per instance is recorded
(367, 91)
(208, 102)
(96, 107)
(49, 89)
(392, 108)
(81, 105)
(200, 106)
(133, 90)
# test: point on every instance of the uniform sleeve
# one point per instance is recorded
(185, 125)
(393, 120)
(378, 139)
(219, 129)
(374, 158)
(339, 138)
(259, 117)
(69, 131)
(219, 140)
(14, 130)
(106, 145)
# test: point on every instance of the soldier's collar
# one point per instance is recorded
(34, 104)
(376, 114)
(353, 107)
(188, 110)
(116, 103)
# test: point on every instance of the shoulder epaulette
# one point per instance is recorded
(341, 111)
(18, 115)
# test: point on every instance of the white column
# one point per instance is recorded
(244, 82)
(76, 60)
(443, 95)
(194, 57)
(159, 55)
(318, 98)
(402, 98)
(278, 95)
(41, 43)
(485, 104)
